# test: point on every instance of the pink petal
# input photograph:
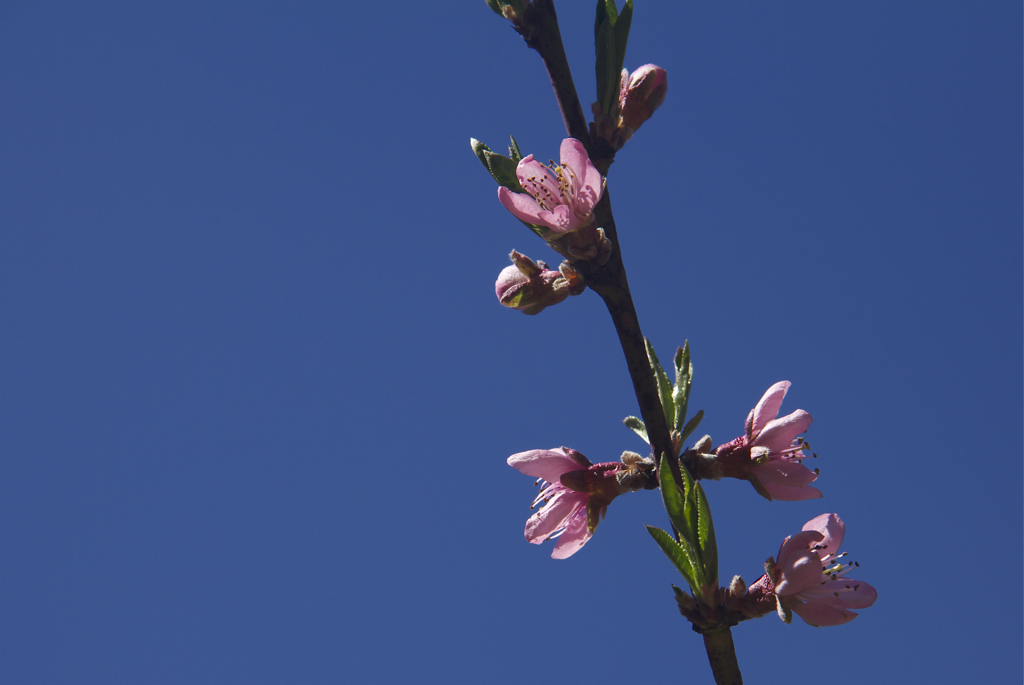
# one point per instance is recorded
(768, 408)
(844, 593)
(799, 573)
(546, 464)
(817, 614)
(785, 472)
(559, 219)
(522, 206)
(785, 493)
(549, 519)
(589, 186)
(573, 539)
(573, 155)
(795, 546)
(778, 434)
(529, 168)
(832, 530)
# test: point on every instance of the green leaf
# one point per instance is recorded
(607, 77)
(668, 406)
(680, 553)
(503, 170)
(691, 426)
(605, 11)
(622, 24)
(513, 150)
(637, 426)
(690, 505)
(706, 535)
(684, 379)
(674, 500)
(479, 149)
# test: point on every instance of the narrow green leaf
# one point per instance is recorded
(637, 426)
(479, 149)
(599, 19)
(622, 24)
(674, 500)
(684, 379)
(691, 426)
(513, 150)
(503, 170)
(681, 556)
(706, 534)
(607, 77)
(668, 406)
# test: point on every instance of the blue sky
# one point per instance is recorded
(258, 393)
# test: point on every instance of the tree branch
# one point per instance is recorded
(540, 29)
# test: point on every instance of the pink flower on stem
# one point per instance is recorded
(574, 495)
(560, 197)
(771, 452)
(811, 580)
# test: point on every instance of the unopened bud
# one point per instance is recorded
(529, 286)
(640, 94)
(703, 445)
(737, 587)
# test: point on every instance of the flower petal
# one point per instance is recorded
(522, 206)
(768, 408)
(845, 593)
(832, 530)
(817, 614)
(546, 464)
(553, 515)
(785, 472)
(573, 155)
(573, 539)
(778, 434)
(784, 493)
(795, 546)
(799, 573)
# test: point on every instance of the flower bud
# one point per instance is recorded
(529, 286)
(640, 94)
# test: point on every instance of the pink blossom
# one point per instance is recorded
(770, 450)
(640, 94)
(810, 579)
(574, 495)
(560, 197)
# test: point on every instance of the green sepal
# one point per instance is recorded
(668, 406)
(691, 426)
(494, 5)
(674, 500)
(761, 489)
(706, 536)
(513, 151)
(637, 426)
(593, 515)
(681, 554)
(684, 379)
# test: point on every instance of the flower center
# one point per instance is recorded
(557, 187)
(834, 569)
